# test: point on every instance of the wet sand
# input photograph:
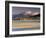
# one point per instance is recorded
(28, 25)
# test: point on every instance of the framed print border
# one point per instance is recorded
(7, 18)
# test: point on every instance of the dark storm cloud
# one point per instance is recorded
(18, 10)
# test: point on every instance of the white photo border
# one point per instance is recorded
(29, 31)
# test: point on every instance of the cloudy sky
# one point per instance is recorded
(19, 10)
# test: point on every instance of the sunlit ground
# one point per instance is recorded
(25, 25)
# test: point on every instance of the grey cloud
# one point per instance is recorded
(18, 10)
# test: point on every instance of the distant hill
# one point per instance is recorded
(19, 16)
(22, 16)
